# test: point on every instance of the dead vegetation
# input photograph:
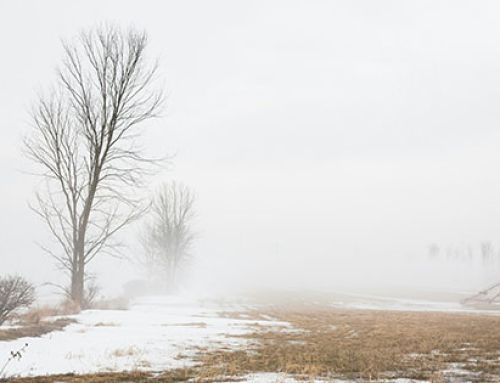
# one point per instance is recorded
(357, 344)
(42, 320)
(178, 375)
(350, 344)
(120, 303)
(16, 293)
(128, 351)
(187, 324)
(41, 313)
(39, 321)
(34, 329)
(106, 324)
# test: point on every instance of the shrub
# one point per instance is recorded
(15, 293)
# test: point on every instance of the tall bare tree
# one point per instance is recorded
(85, 140)
(169, 236)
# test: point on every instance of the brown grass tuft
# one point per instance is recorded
(111, 304)
(35, 329)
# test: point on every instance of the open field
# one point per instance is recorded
(368, 345)
(166, 341)
(266, 191)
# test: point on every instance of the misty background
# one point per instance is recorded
(329, 143)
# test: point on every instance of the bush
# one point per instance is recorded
(15, 293)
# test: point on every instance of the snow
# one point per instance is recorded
(374, 302)
(155, 334)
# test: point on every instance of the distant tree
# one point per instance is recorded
(168, 236)
(487, 251)
(85, 141)
(433, 251)
(15, 293)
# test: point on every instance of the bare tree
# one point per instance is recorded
(85, 140)
(433, 251)
(487, 251)
(168, 236)
(15, 293)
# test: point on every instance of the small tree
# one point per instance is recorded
(168, 236)
(15, 293)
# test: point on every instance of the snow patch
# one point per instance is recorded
(155, 334)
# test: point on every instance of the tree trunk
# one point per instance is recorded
(77, 287)
(78, 273)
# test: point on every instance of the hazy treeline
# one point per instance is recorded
(485, 252)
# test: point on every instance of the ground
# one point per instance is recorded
(162, 339)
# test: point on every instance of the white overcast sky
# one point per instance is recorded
(323, 138)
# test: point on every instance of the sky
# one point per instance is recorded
(328, 142)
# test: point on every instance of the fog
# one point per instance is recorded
(329, 143)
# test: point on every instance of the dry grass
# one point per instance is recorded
(106, 324)
(190, 324)
(123, 352)
(36, 329)
(36, 321)
(111, 304)
(178, 375)
(368, 345)
(41, 313)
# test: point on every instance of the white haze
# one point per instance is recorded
(329, 142)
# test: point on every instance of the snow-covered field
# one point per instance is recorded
(156, 333)
(161, 333)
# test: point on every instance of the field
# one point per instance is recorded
(278, 340)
